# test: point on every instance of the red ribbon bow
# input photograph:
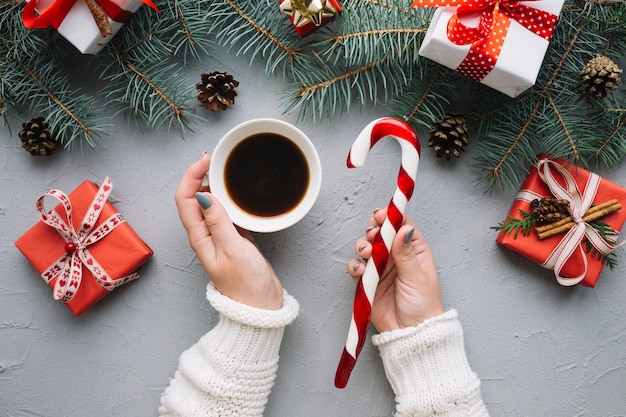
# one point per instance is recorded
(488, 36)
(68, 268)
(53, 15)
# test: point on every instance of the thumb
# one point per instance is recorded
(403, 253)
(217, 220)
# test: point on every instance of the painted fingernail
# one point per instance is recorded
(375, 210)
(355, 267)
(370, 228)
(361, 247)
(203, 153)
(204, 200)
(409, 236)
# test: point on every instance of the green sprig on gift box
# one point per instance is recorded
(514, 225)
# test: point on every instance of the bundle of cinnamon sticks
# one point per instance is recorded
(594, 213)
(101, 17)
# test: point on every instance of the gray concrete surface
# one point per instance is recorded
(539, 348)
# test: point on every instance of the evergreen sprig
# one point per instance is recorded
(514, 225)
(42, 86)
(368, 56)
(610, 236)
(139, 73)
(258, 30)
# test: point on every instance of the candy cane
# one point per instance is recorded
(366, 288)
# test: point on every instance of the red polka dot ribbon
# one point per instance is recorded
(487, 38)
(68, 268)
(54, 14)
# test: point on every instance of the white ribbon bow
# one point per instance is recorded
(579, 204)
(68, 268)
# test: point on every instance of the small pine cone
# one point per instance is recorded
(600, 75)
(549, 209)
(217, 90)
(36, 139)
(449, 136)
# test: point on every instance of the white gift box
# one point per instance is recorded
(79, 26)
(520, 59)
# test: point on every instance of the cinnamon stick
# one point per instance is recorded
(101, 17)
(594, 213)
(541, 229)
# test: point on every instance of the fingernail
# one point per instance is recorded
(355, 267)
(370, 228)
(361, 247)
(409, 235)
(376, 209)
(203, 153)
(204, 200)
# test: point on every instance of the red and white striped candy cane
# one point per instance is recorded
(366, 288)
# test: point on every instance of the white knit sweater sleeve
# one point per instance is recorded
(427, 368)
(230, 370)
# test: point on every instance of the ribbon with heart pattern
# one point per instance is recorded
(67, 269)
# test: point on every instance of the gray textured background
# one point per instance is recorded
(539, 348)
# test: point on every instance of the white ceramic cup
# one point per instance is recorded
(218, 182)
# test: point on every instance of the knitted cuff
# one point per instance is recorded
(247, 334)
(427, 367)
(253, 316)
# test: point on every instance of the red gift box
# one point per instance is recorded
(96, 242)
(566, 252)
(304, 24)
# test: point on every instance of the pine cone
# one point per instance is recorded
(549, 209)
(449, 136)
(599, 75)
(217, 90)
(35, 137)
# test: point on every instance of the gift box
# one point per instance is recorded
(501, 45)
(85, 257)
(306, 16)
(75, 22)
(567, 251)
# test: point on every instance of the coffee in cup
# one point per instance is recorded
(266, 173)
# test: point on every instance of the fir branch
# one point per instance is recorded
(258, 29)
(609, 235)
(420, 102)
(12, 3)
(426, 99)
(514, 225)
(563, 129)
(54, 99)
(33, 81)
(372, 54)
(617, 135)
(154, 95)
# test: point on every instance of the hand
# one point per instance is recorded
(408, 292)
(229, 256)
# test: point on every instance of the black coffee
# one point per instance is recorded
(266, 175)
